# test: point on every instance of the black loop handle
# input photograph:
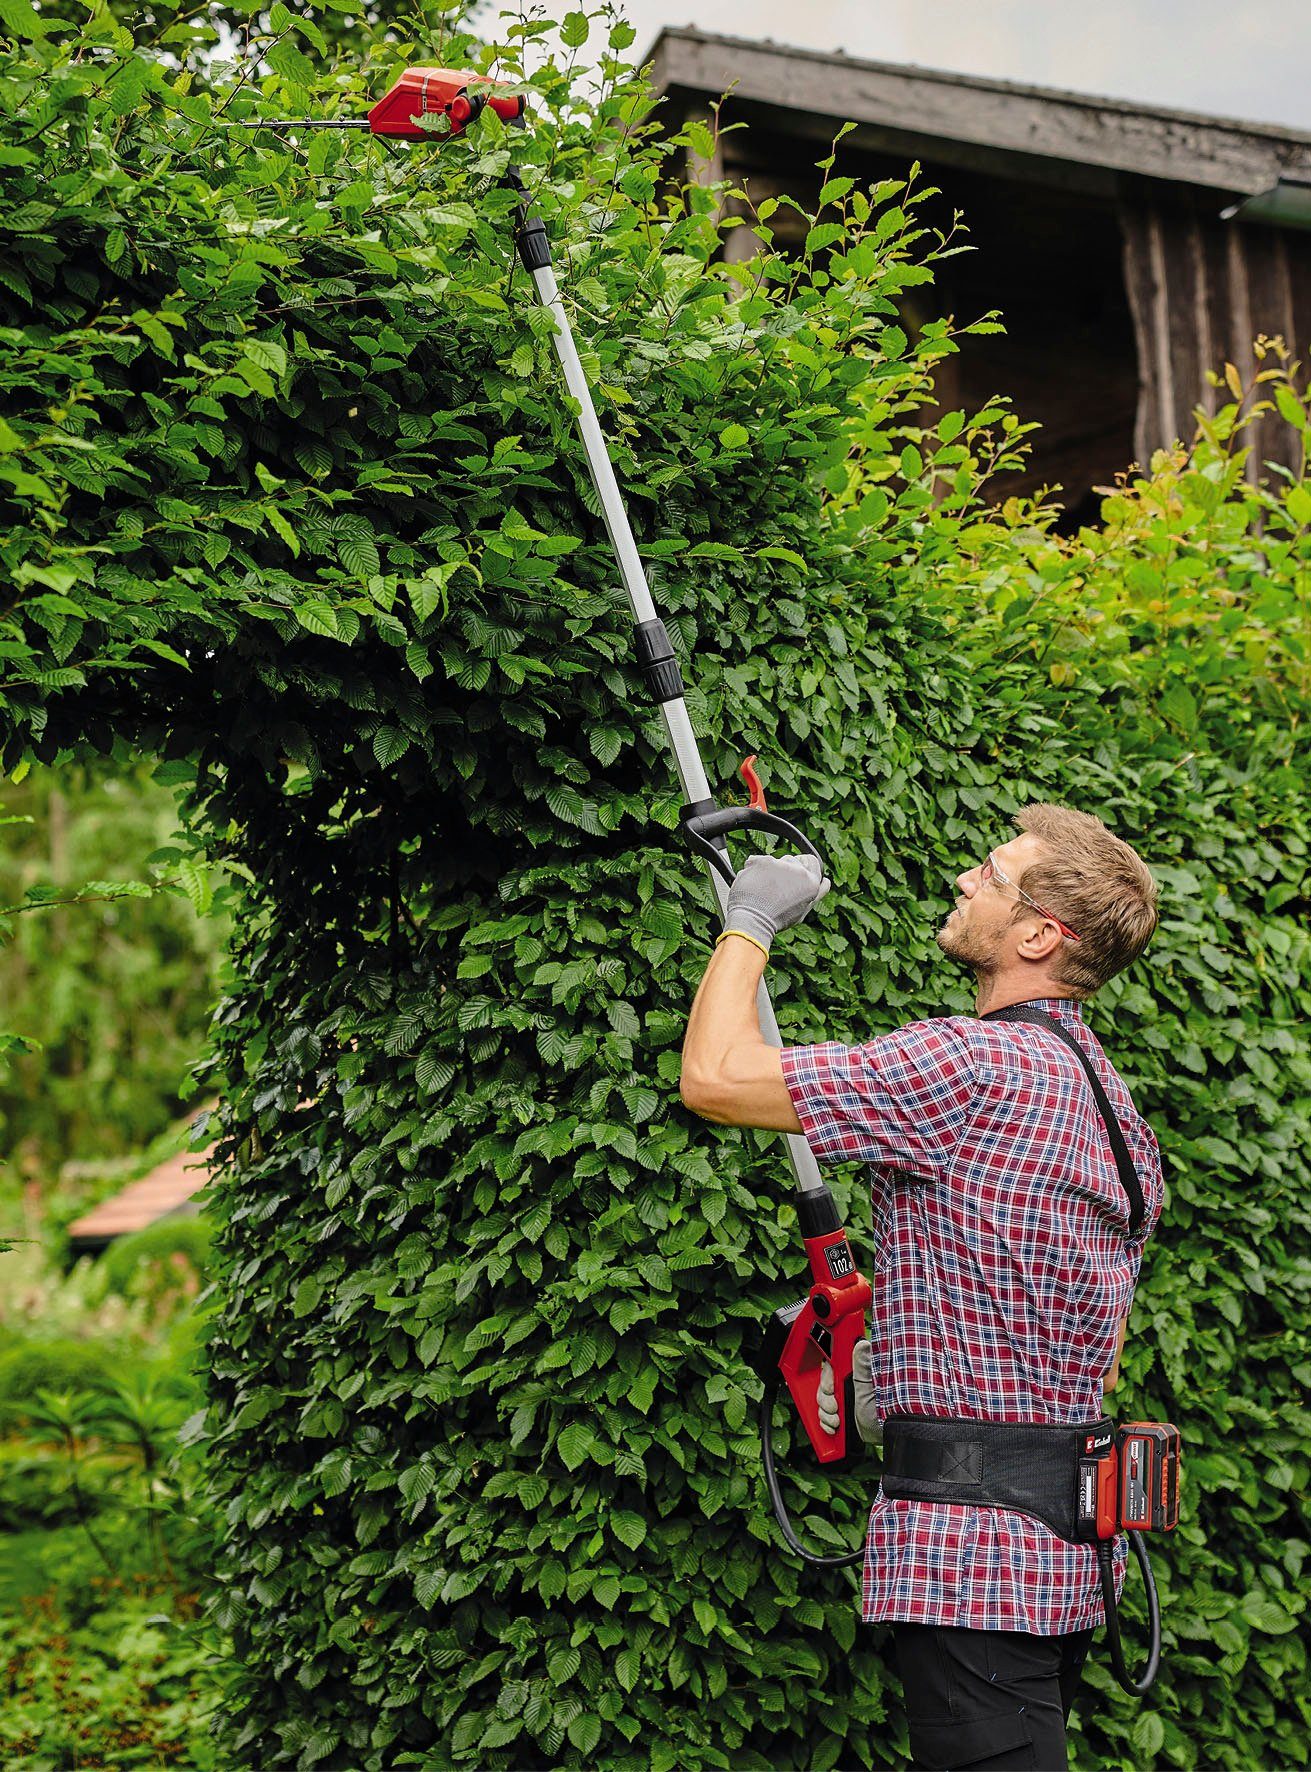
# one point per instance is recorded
(705, 832)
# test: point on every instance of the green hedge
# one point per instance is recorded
(60, 1364)
(162, 1263)
(313, 515)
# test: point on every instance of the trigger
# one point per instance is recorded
(749, 776)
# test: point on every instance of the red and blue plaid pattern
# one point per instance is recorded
(1002, 1267)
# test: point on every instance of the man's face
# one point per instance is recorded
(981, 925)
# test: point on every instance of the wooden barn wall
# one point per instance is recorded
(1200, 291)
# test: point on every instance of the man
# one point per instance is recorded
(1003, 1261)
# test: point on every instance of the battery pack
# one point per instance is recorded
(1149, 1476)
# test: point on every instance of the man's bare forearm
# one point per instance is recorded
(731, 1074)
(724, 1013)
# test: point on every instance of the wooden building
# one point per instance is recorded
(171, 1189)
(1129, 249)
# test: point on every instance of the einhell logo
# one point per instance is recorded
(1098, 1442)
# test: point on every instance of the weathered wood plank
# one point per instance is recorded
(1219, 304)
(1199, 321)
(1284, 248)
(1140, 287)
(1183, 319)
(1268, 304)
(1240, 352)
(1299, 279)
(1174, 145)
(1285, 444)
(1164, 268)
(1267, 281)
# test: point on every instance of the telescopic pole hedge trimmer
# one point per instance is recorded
(821, 1329)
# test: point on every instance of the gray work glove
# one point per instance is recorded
(868, 1425)
(773, 892)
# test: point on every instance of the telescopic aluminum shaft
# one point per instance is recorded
(678, 724)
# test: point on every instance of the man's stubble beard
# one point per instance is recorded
(958, 944)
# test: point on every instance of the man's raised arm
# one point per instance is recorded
(730, 1074)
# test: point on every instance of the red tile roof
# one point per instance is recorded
(166, 1188)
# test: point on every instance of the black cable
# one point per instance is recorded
(765, 1418)
(1106, 1565)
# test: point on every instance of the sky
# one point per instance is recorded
(1249, 59)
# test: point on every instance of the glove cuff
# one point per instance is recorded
(754, 940)
(745, 919)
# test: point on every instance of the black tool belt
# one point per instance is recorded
(1030, 1468)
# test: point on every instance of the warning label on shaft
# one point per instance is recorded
(840, 1263)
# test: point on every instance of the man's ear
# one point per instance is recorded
(1041, 942)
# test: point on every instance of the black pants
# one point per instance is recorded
(994, 1700)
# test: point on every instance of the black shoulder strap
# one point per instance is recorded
(1123, 1161)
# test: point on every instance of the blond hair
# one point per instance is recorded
(1092, 880)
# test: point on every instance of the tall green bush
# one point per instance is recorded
(310, 518)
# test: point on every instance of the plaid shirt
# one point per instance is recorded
(1002, 1268)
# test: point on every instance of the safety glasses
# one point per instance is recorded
(993, 872)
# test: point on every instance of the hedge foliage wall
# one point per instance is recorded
(293, 499)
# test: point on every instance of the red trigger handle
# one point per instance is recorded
(704, 829)
(749, 776)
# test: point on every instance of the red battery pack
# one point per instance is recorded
(1149, 1476)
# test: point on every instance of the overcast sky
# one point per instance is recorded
(1230, 58)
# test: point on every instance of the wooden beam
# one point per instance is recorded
(1239, 351)
(1201, 316)
(1269, 296)
(1220, 306)
(1183, 317)
(1299, 278)
(1166, 429)
(1139, 287)
(934, 107)
(769, 124)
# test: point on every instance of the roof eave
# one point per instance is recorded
(921, 106)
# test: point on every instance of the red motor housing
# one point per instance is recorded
(438, 92)
(823, 1329)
